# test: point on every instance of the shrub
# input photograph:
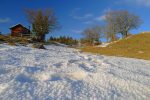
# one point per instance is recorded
(38, 46)
(11, 43)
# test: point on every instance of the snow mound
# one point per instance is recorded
(77, 75)
(42, 76)
(61, 73)
(3, 87)
(103, 45)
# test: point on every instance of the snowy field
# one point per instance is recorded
(60, 73)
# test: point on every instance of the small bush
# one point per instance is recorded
(38, 46)
(11, 43)
(2, 38)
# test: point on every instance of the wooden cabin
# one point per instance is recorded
(20, 31)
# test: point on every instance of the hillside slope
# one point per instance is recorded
(136, 46)
(60, 73)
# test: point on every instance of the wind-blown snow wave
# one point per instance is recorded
(60, 73)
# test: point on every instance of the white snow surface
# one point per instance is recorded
(104, 45)
(60, 73)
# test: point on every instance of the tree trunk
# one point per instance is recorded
(125, 34)
(43, 37)
(113, 37)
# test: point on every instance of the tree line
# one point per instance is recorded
(64, 40)
(116, 22)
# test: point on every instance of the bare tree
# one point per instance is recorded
(43, 22)
(93, 34)
(127, 21)
(110, 28)
(122, 22)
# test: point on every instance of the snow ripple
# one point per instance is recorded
(61, 73)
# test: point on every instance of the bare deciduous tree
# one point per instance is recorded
(127, 21)
(43, 22)
(111, 28)
(93, 34)
(122, 22)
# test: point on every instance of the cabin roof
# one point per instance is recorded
(17, 26)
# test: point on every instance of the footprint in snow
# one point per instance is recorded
(77, 75)
(3, 71)
(33, 69)
(24, 78)
(60, 64)
(73, 61)
(87, 67)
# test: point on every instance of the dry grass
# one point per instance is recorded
(11, 43)
(13, 40)
(137, 46)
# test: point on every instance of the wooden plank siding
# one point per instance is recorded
(20, 31)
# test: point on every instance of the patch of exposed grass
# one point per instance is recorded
(12, 40)
(137, 46)
(11, 43)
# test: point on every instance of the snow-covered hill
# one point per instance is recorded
(60, 73)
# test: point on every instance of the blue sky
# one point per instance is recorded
(73, 15)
